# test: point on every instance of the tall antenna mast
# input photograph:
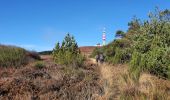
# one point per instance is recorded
(104, 36)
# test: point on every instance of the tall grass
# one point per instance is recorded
(146, 87)
(11, 56)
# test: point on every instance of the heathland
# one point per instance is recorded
(136, 67)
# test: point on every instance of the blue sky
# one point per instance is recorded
(39, 24)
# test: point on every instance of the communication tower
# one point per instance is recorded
(104, 36)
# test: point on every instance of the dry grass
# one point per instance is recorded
(110, 76)
(148, 87)
(119, 84)
(106, 80)
(106, 73)
(91, 82)
(129, 88)
(154, 87)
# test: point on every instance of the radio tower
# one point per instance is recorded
(104, 36)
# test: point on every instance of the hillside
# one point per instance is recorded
(87, 50)
(134, 66)
(16, 56)
(51, 82)
(92, 82)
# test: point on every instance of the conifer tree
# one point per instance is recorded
(68, 53)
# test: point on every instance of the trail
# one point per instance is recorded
(110, 77)
(90, 82)
(108, 83)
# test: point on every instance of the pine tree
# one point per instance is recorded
(68, 53)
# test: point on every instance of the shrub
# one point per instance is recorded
(96, 51)
(152, 46)
(39, 65)
(68, 53)
(157, 64)
(145, 45)
(121, 56)
(34, 55)
(11, 56)
(117, 51)
(73, 72)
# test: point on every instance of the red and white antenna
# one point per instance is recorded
(104, 36)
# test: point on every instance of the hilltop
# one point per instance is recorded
(86, 50)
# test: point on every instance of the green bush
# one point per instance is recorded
(118, 56)
(11, 56)
(68, 53)
(121, 56)
(146, 45)
(151, 48)
(96, 51)
(157, 64)
(134, 68)
(117, 51)
(39, 65)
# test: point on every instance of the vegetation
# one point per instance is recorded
(145, 46)
(34, 55)
(54, 82)
(11, 56)
(39, 65)
(151, 45)
(68, 53)
(45, 52)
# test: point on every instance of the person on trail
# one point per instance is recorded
(97, 58)
(101, 57)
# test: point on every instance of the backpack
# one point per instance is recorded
(101, 57)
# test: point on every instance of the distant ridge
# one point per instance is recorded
(87, 50)
(45, 52)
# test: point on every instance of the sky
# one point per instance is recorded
(40, 24)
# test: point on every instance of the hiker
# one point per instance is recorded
(97, 58)
(101, 58)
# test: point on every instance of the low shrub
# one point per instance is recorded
(11, 56)
(96, 51)
(39, 65)
(34, 55)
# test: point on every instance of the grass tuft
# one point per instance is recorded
(39, 65)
